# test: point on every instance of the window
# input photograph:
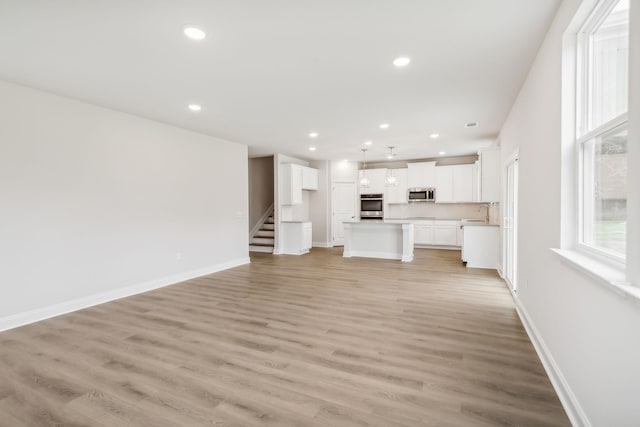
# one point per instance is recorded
(601, 129)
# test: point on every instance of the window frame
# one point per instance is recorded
(582, 132)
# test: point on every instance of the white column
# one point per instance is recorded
(407, 242)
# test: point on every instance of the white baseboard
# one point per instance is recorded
(371, 254)
(321, 245)
(300, 252)
(570, 403)
(448, 248)
(38, 314)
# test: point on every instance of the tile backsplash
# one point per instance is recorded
(440, 210)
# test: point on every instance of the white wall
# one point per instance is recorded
(590, 334)
(342, 171)
(96, 204)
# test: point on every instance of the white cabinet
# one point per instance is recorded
(438, 232)
(456, 184)
(481, 246)
(309, 178)
(291, 185)
(377, 181)
(446, 233)
(296, 178)
(489, 175)
(444, 184)
(463, 183)
(296, 237)
(397, 193)
(423, 232)
(421, 175)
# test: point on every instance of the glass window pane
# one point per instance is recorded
(609, 65)
(605, 192)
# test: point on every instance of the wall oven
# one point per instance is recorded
(371, 206)
(422, 195)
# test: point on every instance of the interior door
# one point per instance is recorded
(511, 224)
(343, 206)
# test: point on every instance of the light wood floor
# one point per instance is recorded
(315, 340)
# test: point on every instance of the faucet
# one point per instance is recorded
(488, 206)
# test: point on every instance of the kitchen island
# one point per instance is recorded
(378, 239)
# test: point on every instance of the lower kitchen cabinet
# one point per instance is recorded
(481, 246)
(423, 233)
(446, 233)
(296, 237)
(436, 232)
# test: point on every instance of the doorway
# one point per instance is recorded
(511, 224)
(343, 208)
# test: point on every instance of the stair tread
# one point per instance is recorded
(260, 244)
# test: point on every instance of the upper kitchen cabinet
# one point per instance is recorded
(294, 181)
(377, 181)
(489, 175)
(421, 175)
(309, 178)
(397, 193)
(456, 184)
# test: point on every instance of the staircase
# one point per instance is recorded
(263, 238)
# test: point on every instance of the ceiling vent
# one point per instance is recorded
(471, 124)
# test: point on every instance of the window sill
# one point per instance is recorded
(609, 276)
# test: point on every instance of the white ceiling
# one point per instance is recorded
(270, 72)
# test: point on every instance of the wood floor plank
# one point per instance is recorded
(312, 340)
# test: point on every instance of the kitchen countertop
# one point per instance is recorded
(465, 222)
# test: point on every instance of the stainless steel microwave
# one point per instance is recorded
(422, 195)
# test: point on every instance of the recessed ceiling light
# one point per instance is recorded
(194, 33)
(312, 148)
(442, 153)
(384, 126)
(403, 61)
(368, 143)
(471, 124)
(313, 134)
(434, 136)
(195, 107)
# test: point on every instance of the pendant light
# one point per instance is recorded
(391, 179)
(364, 181)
